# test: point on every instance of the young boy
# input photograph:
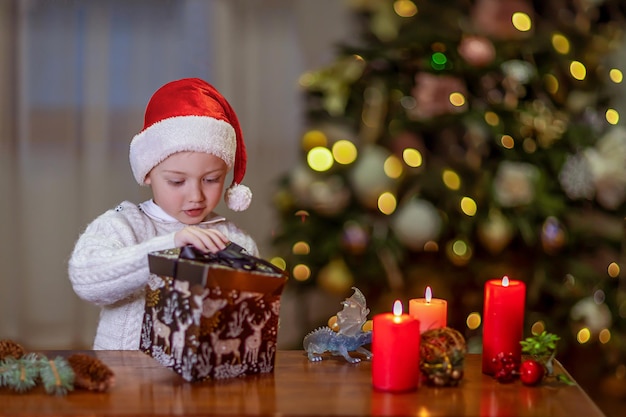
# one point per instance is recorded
(190, 140)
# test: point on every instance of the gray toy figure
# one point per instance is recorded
(350, 336)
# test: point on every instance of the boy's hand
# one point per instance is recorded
(206, 240)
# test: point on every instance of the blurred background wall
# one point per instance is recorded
(74, 81)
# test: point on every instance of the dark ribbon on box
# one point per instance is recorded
(233, 256)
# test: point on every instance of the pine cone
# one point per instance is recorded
(11, 348)
(91, 373)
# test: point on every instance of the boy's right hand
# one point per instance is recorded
(205, 240)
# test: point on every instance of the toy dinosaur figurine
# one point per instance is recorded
(350, 336)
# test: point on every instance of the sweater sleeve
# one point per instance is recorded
(109, 261)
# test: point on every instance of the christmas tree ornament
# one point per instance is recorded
(495, 232)
(478, 51)
(416, 222)
(587, 313)
(514, 184)
(531, 372)
(442, 356)
(432, 95)
(494, 18)
(355, 238)
(553, 235)
(329, 196)
(368, 178)
(335, 277)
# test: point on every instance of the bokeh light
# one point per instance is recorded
(538, 327)
(492, 118)
(393, 167)
(583, 335)
(507, 141)
(613, 270)
(344, 152)
(301, 272)
(612, 116)
(320, 159)
(551, 83)
(604, 336)
(451, 179)
(473, 321)
(301, 248)
(457, 99)
(279, 262)
(412, 157)
(387, 203)
(521, 21)
(468, 206)
(313, 138)
(560, 43)
(616, 75)
(578, 70)
(405, 8)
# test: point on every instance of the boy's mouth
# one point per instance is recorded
(194, 212)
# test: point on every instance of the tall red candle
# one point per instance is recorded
(503, 320)
(432, 313)
(396, 351)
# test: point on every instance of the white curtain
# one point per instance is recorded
(74, 81)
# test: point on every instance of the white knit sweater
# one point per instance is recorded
(109, 267)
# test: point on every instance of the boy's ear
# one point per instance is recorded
(147, 180)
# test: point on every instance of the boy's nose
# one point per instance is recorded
(195, 194)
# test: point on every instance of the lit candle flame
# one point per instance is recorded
(397, 308)
(505, 281)
(428, 294)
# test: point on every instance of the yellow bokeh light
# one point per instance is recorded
(320, 158)
(552, 84)
(405, 8)
(604, 336)
(457, 99)
(578, 70)
(451, 179)
(612, 116)
(521, 21)
(279, 262)
(613, 270)
(301, 272)
(583, 335)
(616, 75)
(468, 206)
(460, 248)
(344, 152)
(301, 248)
(393, 167)
(412, 157)
(313, 138)
(507, 141)
(492, 118)
(537, 328)
(473, 321)
(387, 203)
(560, 43)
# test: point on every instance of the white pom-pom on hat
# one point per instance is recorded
(191, 115)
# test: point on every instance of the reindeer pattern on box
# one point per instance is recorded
(206, 333)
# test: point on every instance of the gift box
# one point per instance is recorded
(212, 316)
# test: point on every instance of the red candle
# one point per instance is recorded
(432, 313)
(503, 320)
(396, 351)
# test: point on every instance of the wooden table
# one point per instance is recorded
(296, 388)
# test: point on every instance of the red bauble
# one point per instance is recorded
(531, 372)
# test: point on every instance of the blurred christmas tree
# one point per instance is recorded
(460, 141)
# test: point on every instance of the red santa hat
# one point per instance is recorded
(191, 115)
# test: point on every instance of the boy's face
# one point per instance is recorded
(188, 185)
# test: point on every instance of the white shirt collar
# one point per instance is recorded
(155, 212)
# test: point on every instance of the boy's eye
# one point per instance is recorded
(211, 179)
(175, 182)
